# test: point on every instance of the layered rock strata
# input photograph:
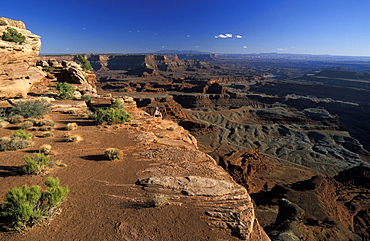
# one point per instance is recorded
(18, 71)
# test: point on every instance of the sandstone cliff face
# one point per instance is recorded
(17, 61)
(144, 63)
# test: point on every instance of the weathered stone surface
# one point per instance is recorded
(17, 61)
(191, 174)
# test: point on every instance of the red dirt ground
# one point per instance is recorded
(104, 203)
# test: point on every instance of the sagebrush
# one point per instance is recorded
(27, 206)
(112, 116)
(30, 108)
(113, 154)
(13, 143)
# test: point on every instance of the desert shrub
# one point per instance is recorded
(74, 138)
(65, 90)
(13, 143)
(158, 201)
(49, 69)
(170, 128)
(45, 128)
(72, 126)
(30, 109)
(26, 125)
(28, 206)
(14, 119)
(86, 98)
(44, 122)
(84, 62)
(112, 116)
(22, 134)
(46, 149)
(12, 35)
(113, 154)
(48, 134)
(117, 103)
(36, 164)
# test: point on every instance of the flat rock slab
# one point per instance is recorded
(192, 185)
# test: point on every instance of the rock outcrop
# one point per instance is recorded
(18, 71)
(144, 64)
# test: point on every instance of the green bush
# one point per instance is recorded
(49, 69)
(13, 143)
(28, 206)
(112, 116)
(37, 164)
(11, 35)
(22, 134)
(85, 63)
(65, 90)
(113, 154)
(30, 109)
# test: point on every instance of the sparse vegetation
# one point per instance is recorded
(117, 103)
(84, 62)
(13, 143)
(112, 116)
(113, 154)
(37, 164)
(65, 90)
(30, 109)
(27, 124)
(28, 206)
(46, 149)
(86, 98)
(74, 138)
(48, 134)
(45, 122)
(158, 201)
(71, 126)
(12, 35)
(22, 134)
(14, 119)
(49, 69)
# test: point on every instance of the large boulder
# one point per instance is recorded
(18, 71)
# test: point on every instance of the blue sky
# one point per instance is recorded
(337, 27)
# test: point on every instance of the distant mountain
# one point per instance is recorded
(173, 51)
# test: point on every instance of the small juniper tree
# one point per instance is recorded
(11, 35)
(85, 63)
(65, 90)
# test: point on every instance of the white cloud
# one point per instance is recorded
(244, 47)
(281, 49)
(224, 35)
(228, 35)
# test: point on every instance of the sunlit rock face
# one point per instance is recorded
(18, 69)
